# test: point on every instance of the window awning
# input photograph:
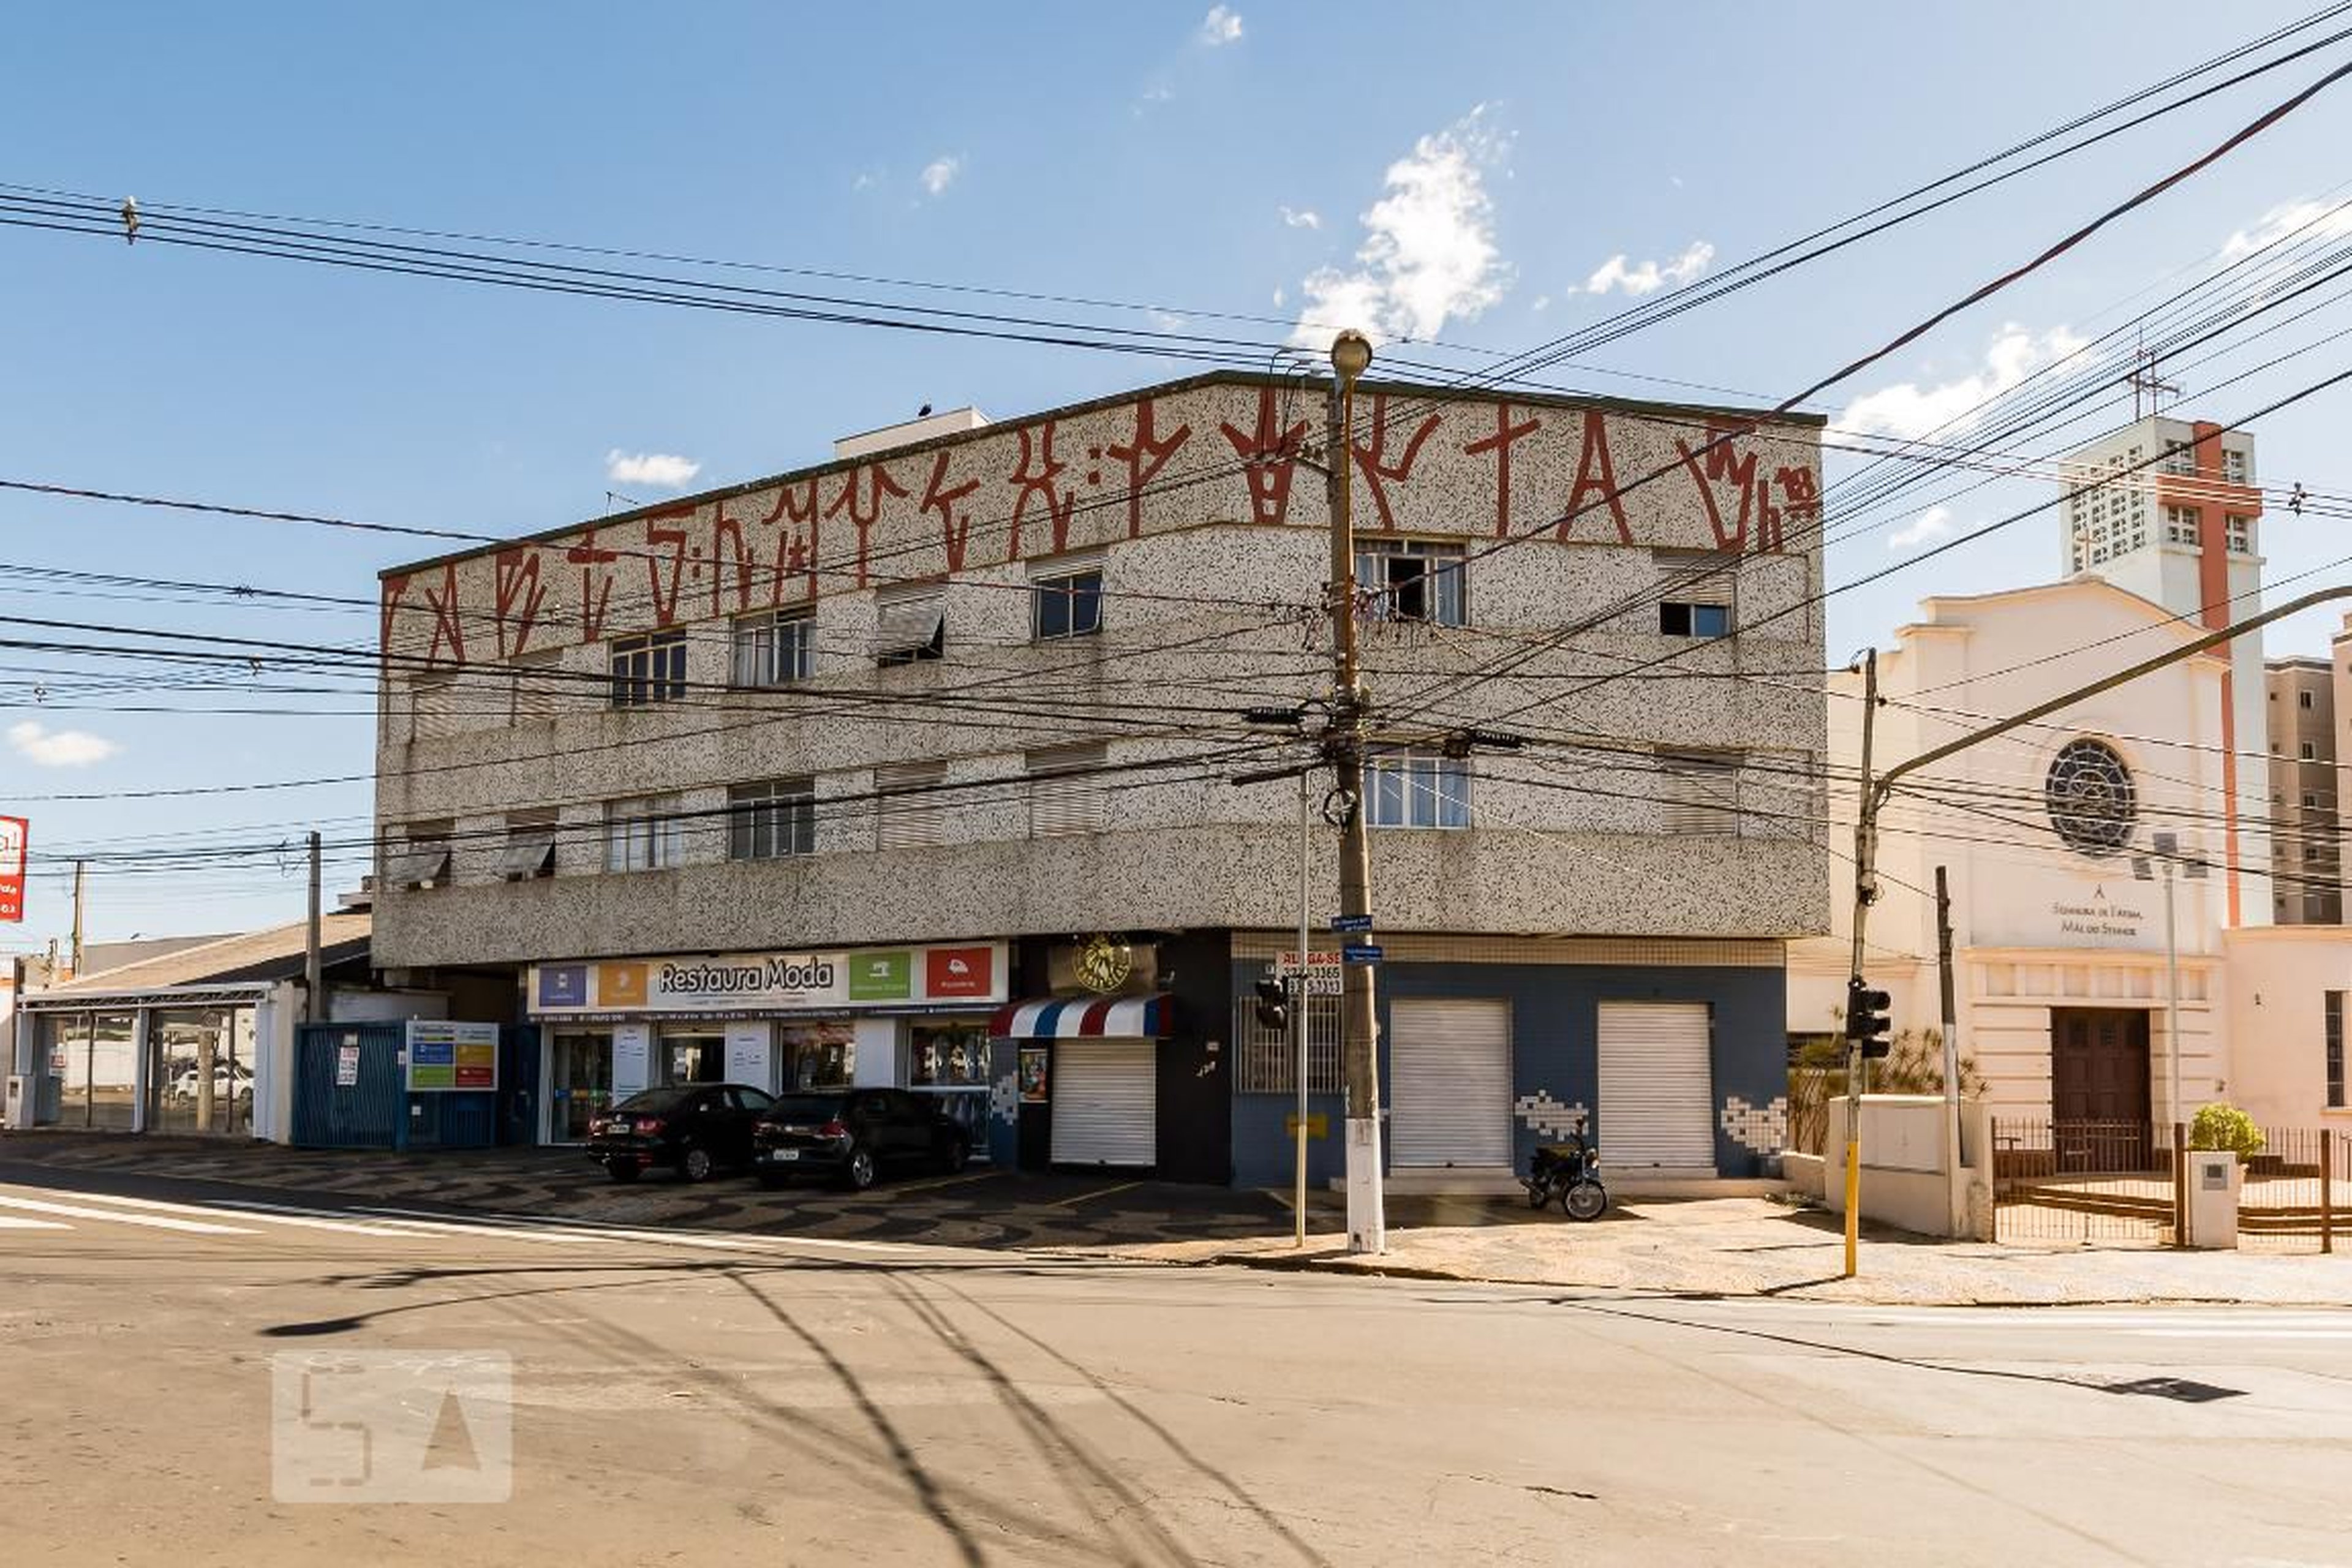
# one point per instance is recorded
(1087, 1017)
(419, 866)
(910, 626)
(528, 855)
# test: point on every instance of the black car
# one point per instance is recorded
(854, 1134)
(695, 1129)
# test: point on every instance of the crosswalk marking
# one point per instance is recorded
(10, 1222)
(240, 1208)
(153, 1221)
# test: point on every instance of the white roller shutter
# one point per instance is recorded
(1657, 1087)
(1106, 1103)
(1450, 1077)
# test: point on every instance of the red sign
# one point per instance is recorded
(13, 832)
(958, 972)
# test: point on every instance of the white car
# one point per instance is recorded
(185, 1086)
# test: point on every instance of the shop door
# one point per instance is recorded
(1657, 1087)
(1106, 1103)
(579, 1085)
(1450, 1082)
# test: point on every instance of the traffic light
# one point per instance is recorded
(1273, 1004)
(1866, 1022)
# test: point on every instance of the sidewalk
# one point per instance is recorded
(1762, 1246)
(1710, 1247)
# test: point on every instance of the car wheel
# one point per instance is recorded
(696, 1164)
(621, 1171)
(857, 1171)
(955, 1156)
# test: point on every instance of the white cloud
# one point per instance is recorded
(866, 180)
(939, 173)
(2324, 223)
(1222, 26)
(1650, 276)
(1278, 297)
(1169, 320)
(1933, 524)
(60, 748)
(1910, 410)
(1542, 302)
(1429, 252)
(663, 469)
(1302, 218)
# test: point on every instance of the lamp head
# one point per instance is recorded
(1351, 354)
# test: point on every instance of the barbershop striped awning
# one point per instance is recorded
(1086, 1017)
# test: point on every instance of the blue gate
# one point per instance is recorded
(349, 1088)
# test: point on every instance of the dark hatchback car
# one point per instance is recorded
(852, 1135)
(693, 1129)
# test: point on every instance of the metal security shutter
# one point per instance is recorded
(1657, 1087)
(1450, 1070)
(1106, 1103)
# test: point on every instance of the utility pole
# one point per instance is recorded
(314, 969)
(1866, 893)
(82, 868)
(1351, 354)
(1958, 1187)
(1298, 1020)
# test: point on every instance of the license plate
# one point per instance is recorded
(618, 1127)
(783, 1153)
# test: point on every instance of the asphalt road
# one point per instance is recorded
(181, 1373)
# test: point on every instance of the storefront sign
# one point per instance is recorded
(2097, 915)
(346, 1067)
(14, 834)
(1033, 1074)
(446, 1056)
(755, 983)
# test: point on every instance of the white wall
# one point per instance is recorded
(2278, 982)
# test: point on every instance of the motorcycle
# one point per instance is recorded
(1569, 1172)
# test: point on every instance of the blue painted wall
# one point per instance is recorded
(1555, 1047)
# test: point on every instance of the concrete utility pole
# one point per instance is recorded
(1298, 1022)
(1957, 1196)
(1351, 354)
(80, 869)
(1866, 893)
(314, 1009)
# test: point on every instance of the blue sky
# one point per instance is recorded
(1201, 161)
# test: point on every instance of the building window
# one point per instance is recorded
(1700, 792)
(2238, 533)
(2306, 751)
(2233, 467)
(2091, 798)
(649, 669)
(643, 833)
(772, 819)
(2310, 853)
(1267, 1059)
(2181, 525)
(2310, 799)
(2336, 1050)
(1680, 620)
(420, 857)
(2302, 698)
(1407, 788)
(1067, 604)
(1063, 796)
(907, 810)
(775, 648)
(1413, 579)
(530, 850)
(2178, 459)
(534, 681)
(910, 624)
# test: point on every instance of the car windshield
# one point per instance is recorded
(657, 1100)
(804, 1108)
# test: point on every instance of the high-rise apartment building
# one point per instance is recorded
(2306, 859)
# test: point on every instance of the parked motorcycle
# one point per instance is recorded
(1569, 1172)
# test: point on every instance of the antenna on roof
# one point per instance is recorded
(2146, 384)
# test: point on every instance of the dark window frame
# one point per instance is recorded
(647, 669)
(1067, 604)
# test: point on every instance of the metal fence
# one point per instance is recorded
(2109, 1183)
(2122, 1184)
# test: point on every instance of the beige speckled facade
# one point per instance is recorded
(1213, 548)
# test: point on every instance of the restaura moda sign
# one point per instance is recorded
(770, 982)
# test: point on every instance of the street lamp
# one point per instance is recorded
(1351, 355)
(2166, 849)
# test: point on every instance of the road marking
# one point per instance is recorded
(897, 1187)
(154, 1221)
(540, 1228)
(1098, 1192)
(250, 1208)
(10, 1222)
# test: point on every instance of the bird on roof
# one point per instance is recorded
(924, 412)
